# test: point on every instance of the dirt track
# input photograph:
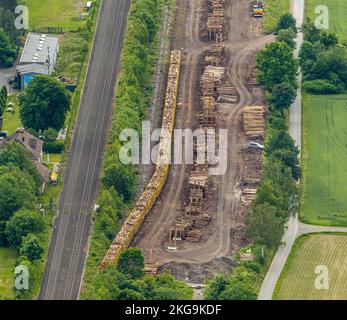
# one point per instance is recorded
(215, 252)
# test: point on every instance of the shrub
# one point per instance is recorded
(53, 146)
(321, 87)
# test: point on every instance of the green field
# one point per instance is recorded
(273, 10)
(7, 262)
(55, 13)
(297, 281)
(324, 160)
(337, 15)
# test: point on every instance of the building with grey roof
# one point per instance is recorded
(39, 56)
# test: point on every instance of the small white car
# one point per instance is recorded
(255, 145)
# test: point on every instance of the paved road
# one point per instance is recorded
(69, 244)
(290, 235)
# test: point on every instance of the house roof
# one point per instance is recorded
(30, 142)
(43, 170)
(32, 68)
(39, 48)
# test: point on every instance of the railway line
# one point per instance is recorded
(73, 224)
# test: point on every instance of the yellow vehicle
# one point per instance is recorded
(258, 10)
(54, 178)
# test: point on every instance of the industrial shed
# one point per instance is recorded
(39, 56)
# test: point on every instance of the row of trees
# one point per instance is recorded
(127, 281)
(20, 222)
(277, 194)
(9, 34)
(323, 61)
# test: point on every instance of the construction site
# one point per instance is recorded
(187, 220)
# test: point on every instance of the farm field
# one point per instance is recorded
(7, 262)
(273, 10)
(324, 158)
(297, 281)
(337, 15)
(52, 13)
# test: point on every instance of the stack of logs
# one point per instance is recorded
(216, 20)
(254, 121)
(190, 226)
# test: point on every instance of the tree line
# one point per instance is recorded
(323, 61)
(277, 194)
(127, 281)
(21, 225)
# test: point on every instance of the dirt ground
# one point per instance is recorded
(226, 232)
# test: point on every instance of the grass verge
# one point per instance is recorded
(7, 262)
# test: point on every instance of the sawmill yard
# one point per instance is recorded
(310, 252)
(197, 224)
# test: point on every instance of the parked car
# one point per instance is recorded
(255, 145)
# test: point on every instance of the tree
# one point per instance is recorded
(311, 33)
(7, 51)
(21, 224)
(7, 18)
(31, 247)
(131, 263)
(282, 147)
(16, 191)
(121, 178)
(239, 290)
(264, 226)
(286, 21)
(287, 36)
(328, 39)
(282, 96)
(15, 155)
(165, 287)
(50, 135)
(277, 65)
(9, 4)
(216, 287)
(44, 104)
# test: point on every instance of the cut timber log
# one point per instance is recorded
(254, 121)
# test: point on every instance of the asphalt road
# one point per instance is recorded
(72, 227)
(270, 280)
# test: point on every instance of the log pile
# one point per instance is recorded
(216, 20)
(153, 189)
(248, 195)
(254, 121)
(228, 93)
